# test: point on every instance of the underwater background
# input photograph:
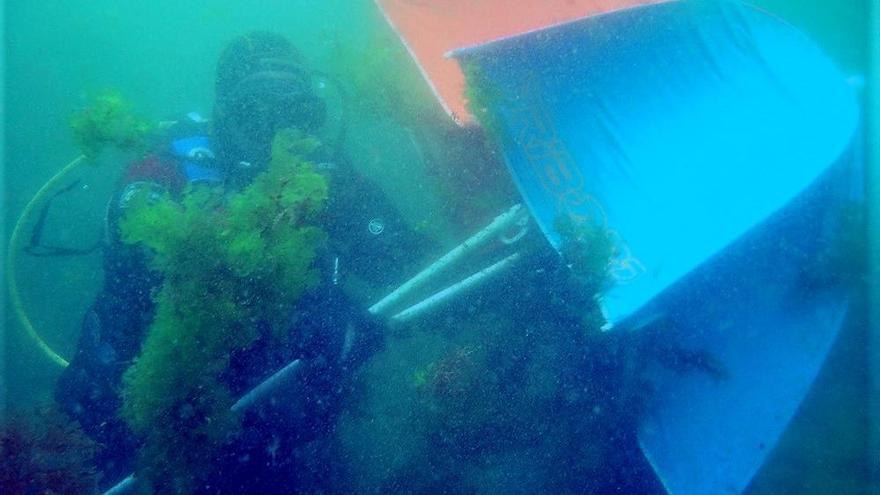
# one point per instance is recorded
(161, 56)
(61, 53)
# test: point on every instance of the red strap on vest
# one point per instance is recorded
(161, 171)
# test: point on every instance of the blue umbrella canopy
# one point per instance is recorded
(679, 126)
(720, 147)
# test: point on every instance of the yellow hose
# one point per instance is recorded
(15, 297)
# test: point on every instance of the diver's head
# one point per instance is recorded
(261, 87)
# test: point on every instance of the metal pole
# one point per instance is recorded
(455, 290)
(261, 392)
(489, 233)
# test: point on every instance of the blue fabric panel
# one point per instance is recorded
(766, 311)
(679, 126)
(720, 146)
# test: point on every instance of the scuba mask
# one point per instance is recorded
(277, 96)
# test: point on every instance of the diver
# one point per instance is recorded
(262, 86)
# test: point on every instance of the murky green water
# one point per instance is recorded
(161, 55)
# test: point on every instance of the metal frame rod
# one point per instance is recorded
(456, 289)
(259, 393)
(479, 239)
(256, 395)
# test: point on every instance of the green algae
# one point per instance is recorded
(109, 122)
(229, 262)
(588, 250)
(482, 97)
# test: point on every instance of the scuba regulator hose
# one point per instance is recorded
(14, 241)
(14, 295)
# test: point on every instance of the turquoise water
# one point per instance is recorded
(58, 53)
(161, 56)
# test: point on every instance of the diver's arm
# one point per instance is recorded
(110, 337)
(368, 234)
(126, 301)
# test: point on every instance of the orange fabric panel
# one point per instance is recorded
(431, 28)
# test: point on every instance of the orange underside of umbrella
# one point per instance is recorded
(431, 28)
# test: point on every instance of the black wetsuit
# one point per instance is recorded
(368, 239)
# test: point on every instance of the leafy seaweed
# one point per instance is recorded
(108, 122)
(588, 250)
(482, 97)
